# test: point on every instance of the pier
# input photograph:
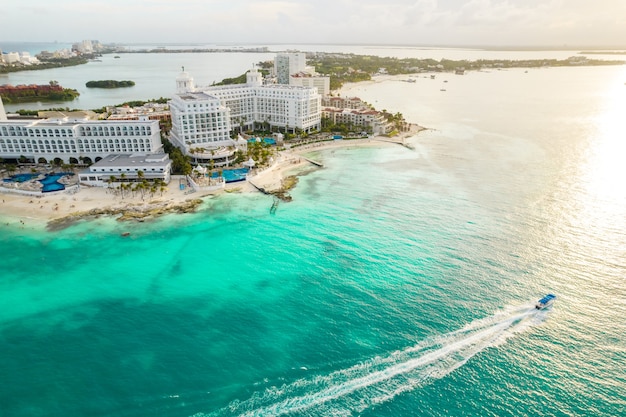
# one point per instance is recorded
(319, 164)
(261, 189)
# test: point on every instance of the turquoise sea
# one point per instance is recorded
(398, 282)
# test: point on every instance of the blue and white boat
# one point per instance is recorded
(545, 302)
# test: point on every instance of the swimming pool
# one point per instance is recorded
(267, 141)
(22, 177)
(51, 182)
(233, 175)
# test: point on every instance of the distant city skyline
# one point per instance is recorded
(540, 23)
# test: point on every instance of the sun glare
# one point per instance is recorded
(606, 170)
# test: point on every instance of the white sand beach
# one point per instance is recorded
(56, 206)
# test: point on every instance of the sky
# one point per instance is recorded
(549, 23)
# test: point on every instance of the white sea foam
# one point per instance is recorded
(382, 378)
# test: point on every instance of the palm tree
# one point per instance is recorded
(122, 186)
(143, 186)
(186, 168)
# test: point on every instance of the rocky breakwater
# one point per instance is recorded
(137, 212)
(281, 190)
(286, 185)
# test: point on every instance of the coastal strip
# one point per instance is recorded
(61, 209)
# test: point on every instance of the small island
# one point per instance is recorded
(109, 84)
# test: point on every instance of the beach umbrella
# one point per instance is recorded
(200, 169)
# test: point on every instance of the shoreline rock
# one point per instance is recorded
(137, 213)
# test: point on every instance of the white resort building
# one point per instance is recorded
(205, 118)
(370, 120)
(290, 68)
(74, 138)
(117, 168)
(308, 79)
(352, 111)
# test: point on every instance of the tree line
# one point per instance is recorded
(109, 84)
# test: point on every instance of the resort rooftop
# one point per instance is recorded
(120, 160)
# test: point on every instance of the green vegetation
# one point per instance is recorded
(134, 103)
(341, 128)
(238, 80)
(142, 187)
(32, 95)
(109, 84)
(180, 163)
(344, 68)
(260, 152)
(139, 103)
(36, 112)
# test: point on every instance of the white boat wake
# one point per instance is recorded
(380, 379)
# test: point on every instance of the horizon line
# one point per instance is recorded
(494, 47)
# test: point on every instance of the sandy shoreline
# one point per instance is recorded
(60, 208)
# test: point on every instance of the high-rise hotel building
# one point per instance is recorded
(289, 63)
(204, 118)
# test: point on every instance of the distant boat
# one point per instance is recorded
(443, 89)
(116, 56)
(545, 302)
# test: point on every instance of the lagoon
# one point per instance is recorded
(155, 74)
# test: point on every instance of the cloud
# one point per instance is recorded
(423, 12)
(461, 22)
